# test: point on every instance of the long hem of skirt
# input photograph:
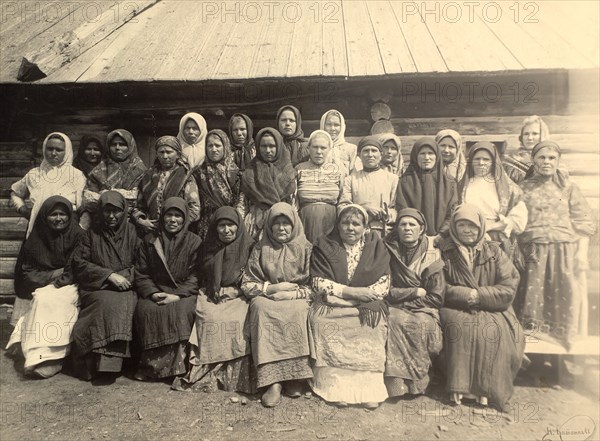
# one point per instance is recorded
(284, 370)
(397, 386)
(348, 385)
(238, 375)
(164, 361)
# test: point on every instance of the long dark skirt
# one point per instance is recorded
(317, 219)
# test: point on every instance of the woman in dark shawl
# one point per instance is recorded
(170, 176)
(166, 282)
(241, 133)
(483, 340)
(43, 272)
(350, 277)
(425, 187)
(277, 280)
(218, 180)
(416, 295)
(289, 123)
(104, 269)
(219, 345)
(269, 179)
(90, 153)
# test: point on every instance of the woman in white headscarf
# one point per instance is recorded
(334, 124)
(453, 155)
(192, 136)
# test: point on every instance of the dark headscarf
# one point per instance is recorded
(372, 140)
(173, 244)
(266, 183)
(115, 199)
(243, 154)
(295, 143)
(80, 162)
(428, 191)
(471, 213)
(221, 264)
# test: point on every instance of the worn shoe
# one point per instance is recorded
(293, 389)
(370, 406)
(272, 397)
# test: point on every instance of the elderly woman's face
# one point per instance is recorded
(467, 231)
(333, 125)
(351, 228)
(318, 149)
(390, 152)
(370, 156)
(112, 216)
(167, 157)
(281, 228)
(55, 151)
(58, 218)
(239, 131)
(426, 158)
(409, 230)
(191, 131)
(118, 149)
(268, 148)
(214, 148)
(287, 123)
(173, 219)
(448, 149)
(92, 152)
(227, 231)
(546, 161)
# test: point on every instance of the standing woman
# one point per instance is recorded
(449, 143)
(241, 133)
(289, 123)
(277, 281)
(483, 340)
(391, 159)
(271, 178)
(218, 179)
(372, 188)
(415, 298)
(216, 356)
(549, 301)
(192, 136)
(166, 282)
(45, 275)
(104, 270)
(121, 170)
(350, 276)
(320, 183)
(170, 176)
(89, 155)
(425, 187)
(333, 122)
(533, 131)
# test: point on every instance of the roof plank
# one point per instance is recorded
(274, 50)
(335, 58)
(364, 57)
(306, 53)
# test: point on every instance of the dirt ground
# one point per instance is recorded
(65, 408)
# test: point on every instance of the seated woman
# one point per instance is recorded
(44, 273)
(276, 279)
(391, 159)
(343, 152)
(166, 282)
(425, 187)
(320, 182)
(192, 136)
(533, 131)
(450, 145)
(121, 170)
(269, 179)
(170, 176)
(219, 346)
(104, 269)
(241, 133)
(218, 179)
(416, 295)
(289, 123)
(483, 341)
(347, 322)
(372, 188)
(89, 155)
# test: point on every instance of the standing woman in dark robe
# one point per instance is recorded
(104, 270)
(415, 298)
(269, 179)
(241, 133)
(289, 123)
(90, 153)
(425, 187)
(483, 340)
(166, 282)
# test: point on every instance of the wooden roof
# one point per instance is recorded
(172, 40)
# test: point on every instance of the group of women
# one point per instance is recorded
(273, 262)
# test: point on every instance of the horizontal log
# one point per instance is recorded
(7, 267)
(380, 111)
(17, 167)
(7, 286)
(13, 228)
(10, 248)
(7, 299)
(7, 210)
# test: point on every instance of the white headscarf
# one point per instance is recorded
(195, 153)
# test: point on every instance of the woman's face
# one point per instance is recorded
(191, 131)
(333, 125)
(426, 158)
(482, 163)
(351, 228)
(173, 219)
(58, 218)
(92, 153)
(287, 123)
(318, 150)
(530, 135)
(370, 156)
(55, 151)
(448, 149)
(268, 148)
(118, 149)
(167, 157)
(239, 131)
(467, 232)
(214, 148)
(409, 230)
(227, 231)
(390, 152)
(546, 161)
(112, 216)
(281, 228)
